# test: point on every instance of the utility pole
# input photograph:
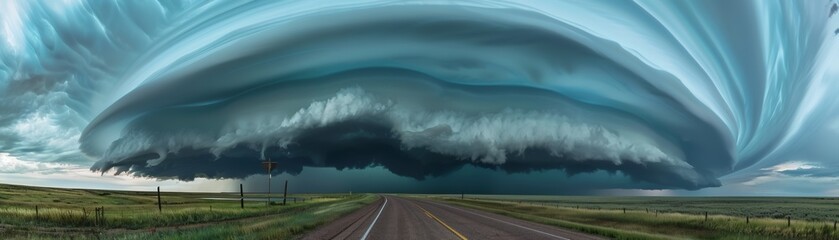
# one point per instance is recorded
(269, 165)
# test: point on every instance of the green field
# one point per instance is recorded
(672, 217)
(71, 213)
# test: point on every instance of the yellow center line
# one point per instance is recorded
(444, 224)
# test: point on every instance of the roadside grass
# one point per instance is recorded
(124, 209)
(639, 224)
(135, 217)
(798, 208)
(280, 226)
(69, 213)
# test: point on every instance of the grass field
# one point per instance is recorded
(672, 217)
(70, 213)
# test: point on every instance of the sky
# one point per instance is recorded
(596, 97)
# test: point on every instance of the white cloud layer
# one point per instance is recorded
(487, 138)
(11, 164)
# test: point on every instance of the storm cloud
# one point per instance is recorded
(185, 90)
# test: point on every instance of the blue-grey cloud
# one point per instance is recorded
(674, 94)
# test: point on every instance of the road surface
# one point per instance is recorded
(394, 217)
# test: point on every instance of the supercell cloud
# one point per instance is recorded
(674, 94)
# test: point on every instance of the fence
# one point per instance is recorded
(151, 213)
(654, 212)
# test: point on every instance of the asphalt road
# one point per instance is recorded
(411, 218)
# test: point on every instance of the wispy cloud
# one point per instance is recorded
(794, 165)
(799, 173)
(11, 164)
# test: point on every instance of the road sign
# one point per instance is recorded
(269, 165)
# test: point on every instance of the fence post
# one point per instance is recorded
(97, 217)
(37, 216)
(159, 205)
(834, 225)
(747, 219)
(285, 192)
(241, 196)
(624, 210)
(788, 221)
(706, 216)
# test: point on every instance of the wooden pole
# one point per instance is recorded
(159, 204)
(788, 221)
(241, 196)
(38, 216)
(706, 216)
(269, 165)
(285, 191)
(747, 219)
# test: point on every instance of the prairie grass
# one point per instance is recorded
(641, 224)
(279, 226)
(70, 213)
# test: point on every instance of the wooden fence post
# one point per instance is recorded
(99, 217)
(285, 192)
(747, 219)
(624, 210)
(159, 205)
(37, 215)
(241, 196)
(788, 221)
(706, 216)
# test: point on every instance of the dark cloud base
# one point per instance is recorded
(364, 144)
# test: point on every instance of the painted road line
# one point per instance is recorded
(443, 223)
(513, 224)
(374, 221)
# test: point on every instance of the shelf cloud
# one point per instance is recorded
(193, 89)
